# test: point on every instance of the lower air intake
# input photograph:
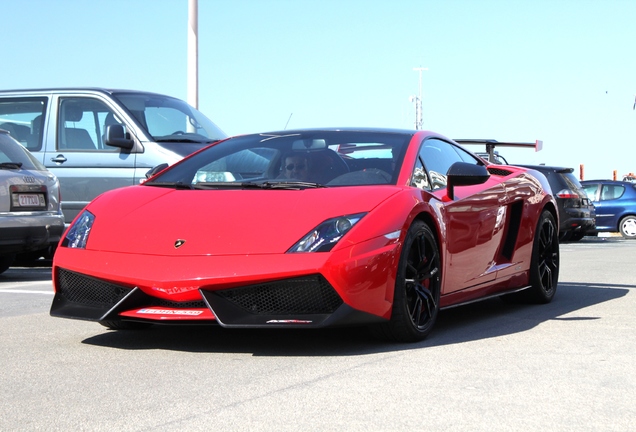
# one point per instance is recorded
(304, 295)
(77, 288)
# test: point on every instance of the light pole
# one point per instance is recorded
(193, 53)
(417, 100)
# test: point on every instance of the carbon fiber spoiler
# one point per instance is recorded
(491, 144)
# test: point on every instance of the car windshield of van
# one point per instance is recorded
(168, 119)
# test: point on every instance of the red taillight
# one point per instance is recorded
(567, 193)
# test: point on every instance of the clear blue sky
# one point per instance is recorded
(558, 70)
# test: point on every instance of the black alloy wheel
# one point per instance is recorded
(544, 267)
(417, 288)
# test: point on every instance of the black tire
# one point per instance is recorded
(544, 266)
(627, 227)
(125, 325)
(5, 262)
(417, 288)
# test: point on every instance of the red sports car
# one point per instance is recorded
(312, 228)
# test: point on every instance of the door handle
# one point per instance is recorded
(59, 159)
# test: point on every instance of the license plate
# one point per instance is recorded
(31, 200)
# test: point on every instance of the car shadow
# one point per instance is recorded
(483, 320)
(32, 272)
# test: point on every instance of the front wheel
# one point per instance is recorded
(417, 288)
(627, 227)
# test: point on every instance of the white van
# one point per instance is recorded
(96, 139)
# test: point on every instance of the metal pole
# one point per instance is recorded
(418, 102)
(193, 53)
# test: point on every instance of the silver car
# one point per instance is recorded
(31, 221)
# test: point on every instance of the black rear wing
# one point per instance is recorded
(491, 144)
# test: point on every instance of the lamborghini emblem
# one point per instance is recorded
(178, 243)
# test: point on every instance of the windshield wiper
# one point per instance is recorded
(287, 185)
(181, 140)
(177, 185)
(10, 165)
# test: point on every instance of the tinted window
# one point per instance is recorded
(328, 158)
(437, 157)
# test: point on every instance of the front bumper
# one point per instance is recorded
(352, 285)
(308, 301)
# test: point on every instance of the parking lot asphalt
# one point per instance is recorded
(489, 366)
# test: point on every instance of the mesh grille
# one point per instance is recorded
(183, 305)
(306, 295)
(499, 171)
(89, 291)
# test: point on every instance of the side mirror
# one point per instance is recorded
(156, 169)
(116, 136)
(465, 174)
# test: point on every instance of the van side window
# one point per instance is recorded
(82, 124)
(23, 119)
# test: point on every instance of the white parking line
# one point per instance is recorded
(25, 291)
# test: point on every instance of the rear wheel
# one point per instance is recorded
(417, 288)
(627, 227)
(544, 267)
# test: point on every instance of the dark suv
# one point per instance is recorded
(577, 215)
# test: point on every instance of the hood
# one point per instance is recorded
(149, 220)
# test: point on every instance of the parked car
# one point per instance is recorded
(30, 215)
(95, 139)
(577, 214)
(615, 203)
(312, 228)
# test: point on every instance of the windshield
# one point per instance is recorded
(295, 159)
(168, 119)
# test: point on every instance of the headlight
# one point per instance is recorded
(77, 235)
(325, 236)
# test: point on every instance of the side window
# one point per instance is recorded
(82, 124)
(437, 156)
(611, 192)
(23, 118)
(420, 178)
(591, 191)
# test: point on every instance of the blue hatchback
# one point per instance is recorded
(615, 203)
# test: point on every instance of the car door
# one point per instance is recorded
(77, 155)
(609, 207)
(474, 220)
